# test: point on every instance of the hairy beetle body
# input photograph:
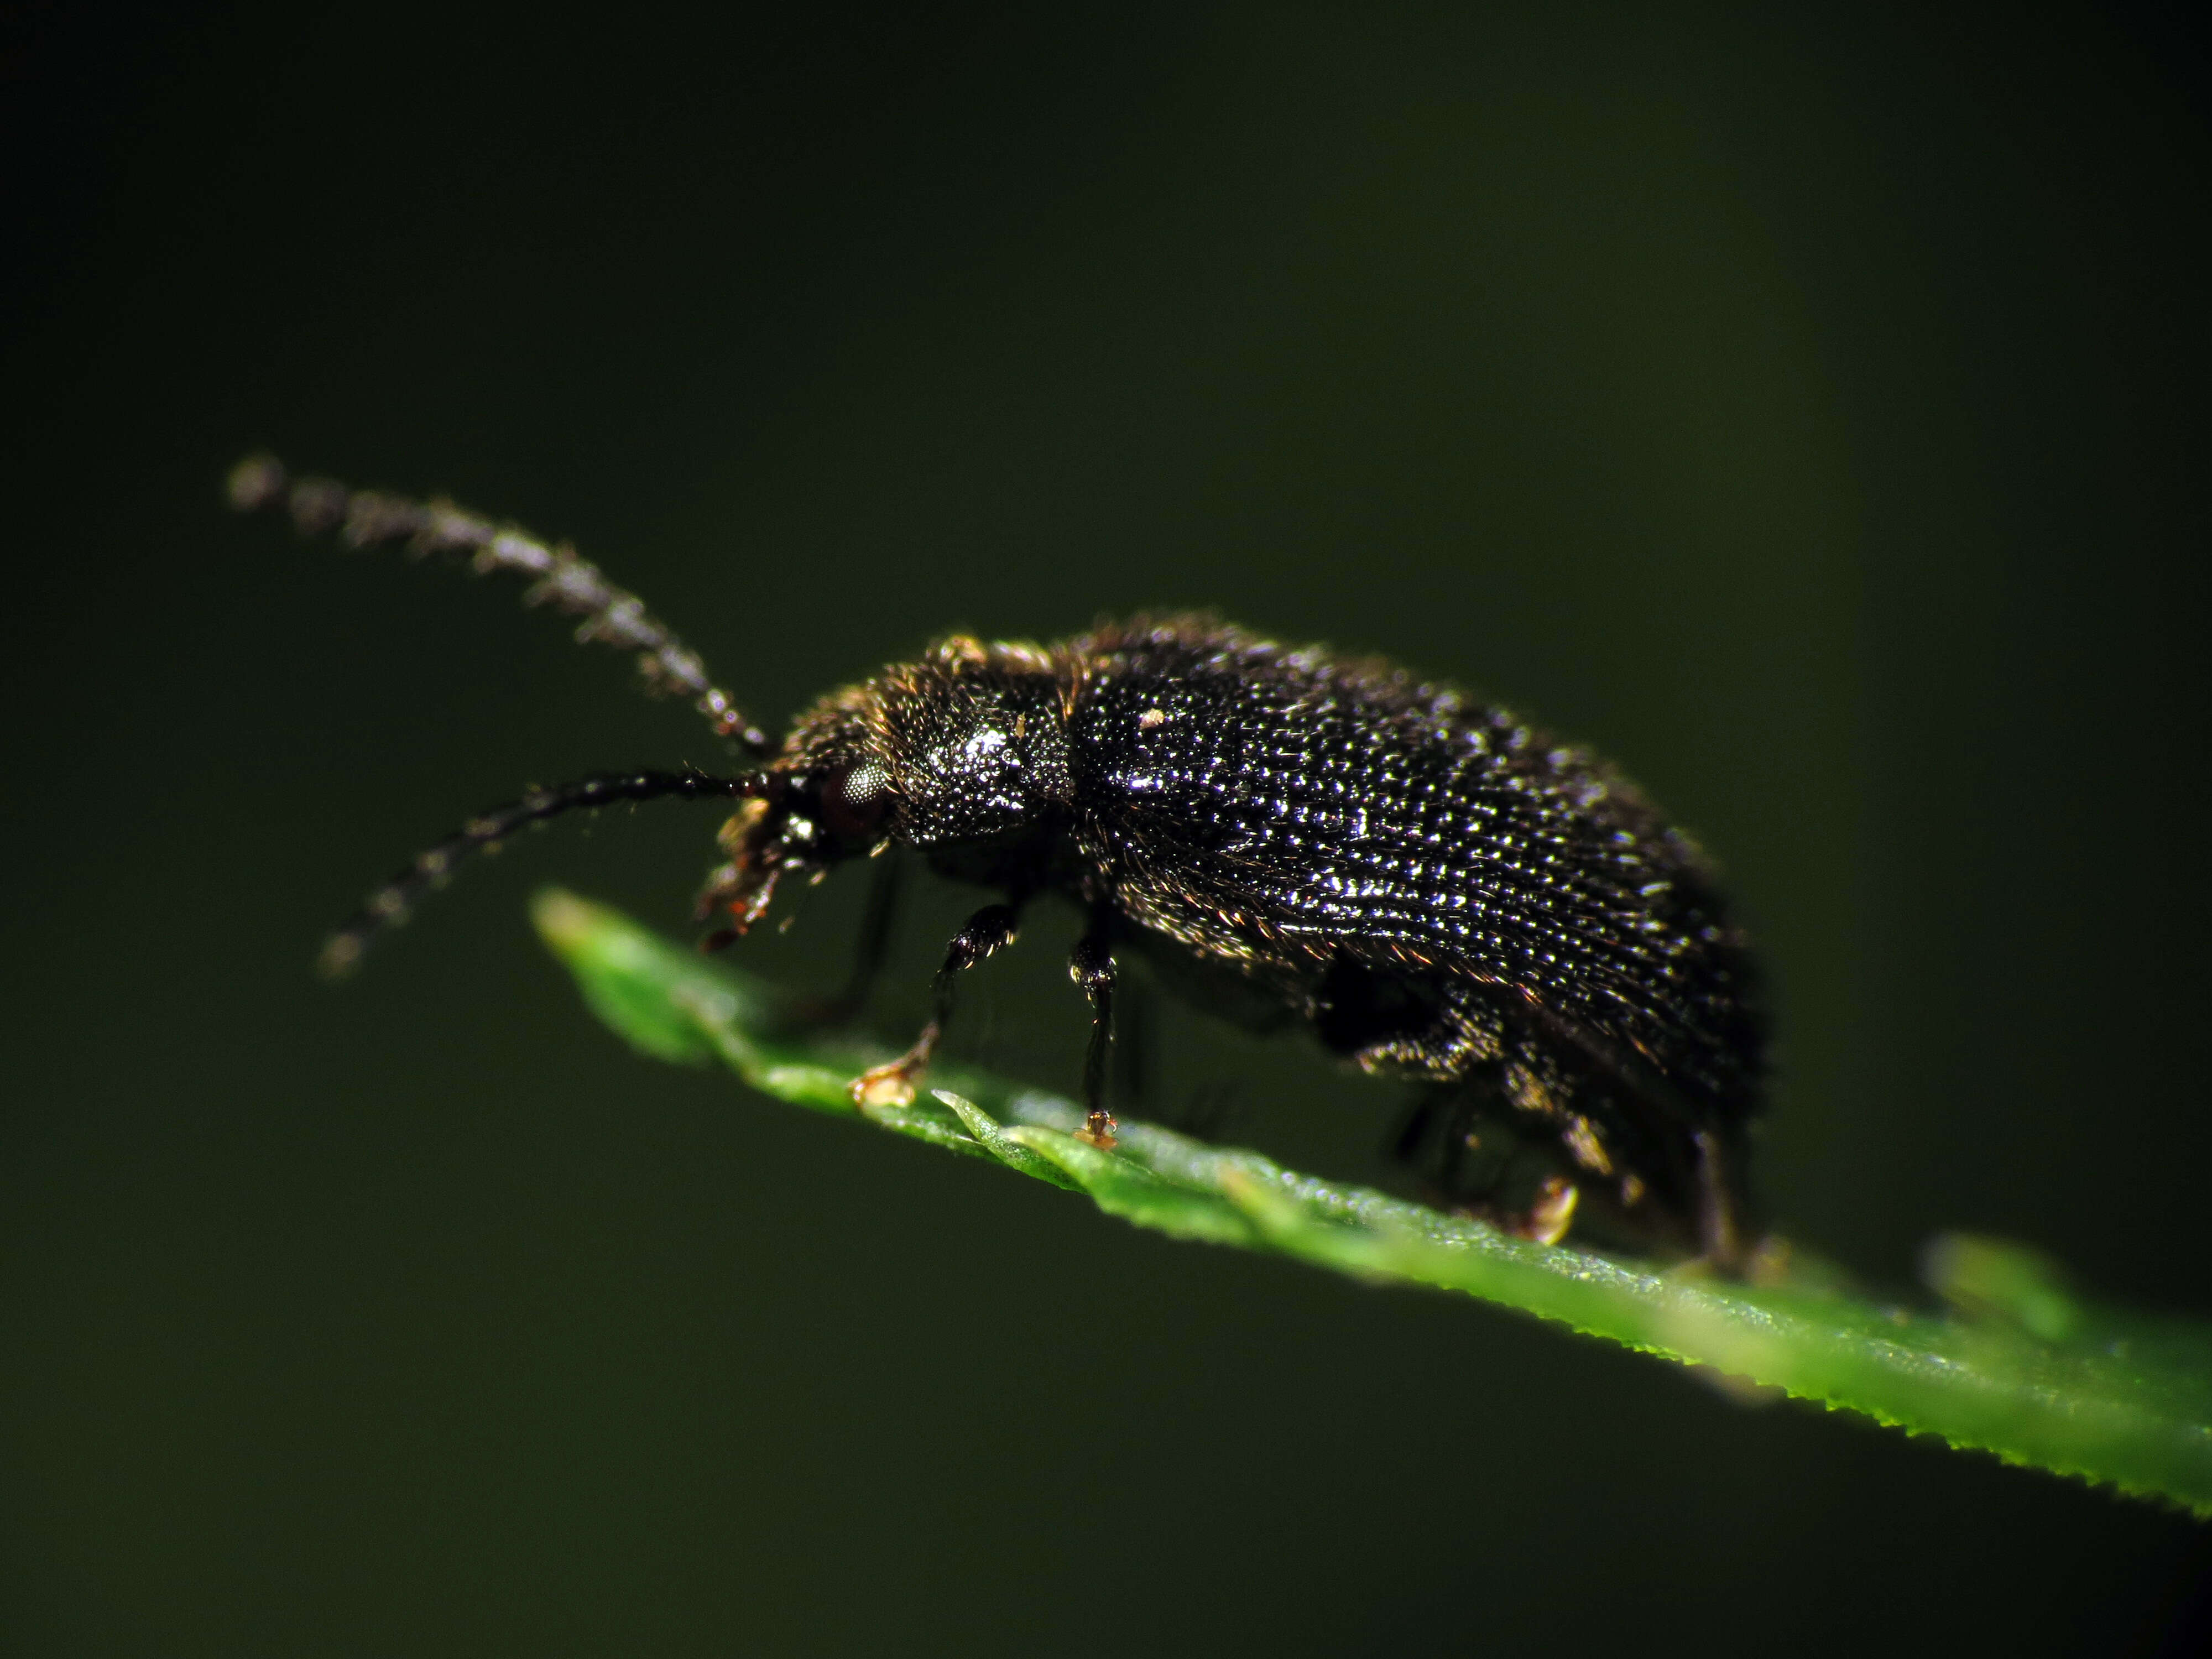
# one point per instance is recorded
(1434, 889)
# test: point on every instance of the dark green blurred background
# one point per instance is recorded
(1806, 406)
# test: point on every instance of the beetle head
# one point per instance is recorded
(965, 746)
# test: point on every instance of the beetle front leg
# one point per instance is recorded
(990, 929)
(869, 952)
(1091, 965)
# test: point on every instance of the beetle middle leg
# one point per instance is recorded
(989, 930)
(1091, 965)
(1441, 1126)
(1129, 1076)
(1477, 1159)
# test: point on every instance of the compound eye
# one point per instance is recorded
(854, 800)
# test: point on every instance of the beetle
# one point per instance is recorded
(1432, 887)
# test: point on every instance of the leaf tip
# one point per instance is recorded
(563, 920)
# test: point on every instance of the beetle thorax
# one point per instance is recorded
(974, 756)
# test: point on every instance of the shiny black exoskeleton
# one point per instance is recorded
(1435, 890)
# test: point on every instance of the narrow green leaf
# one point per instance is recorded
(2022, 1365)
(1003, 1146)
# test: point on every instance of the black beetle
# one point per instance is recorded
(1435, 888)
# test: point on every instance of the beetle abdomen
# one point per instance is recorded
(1345, 834)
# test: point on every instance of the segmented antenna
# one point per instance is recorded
(610, 617)
(388, 905)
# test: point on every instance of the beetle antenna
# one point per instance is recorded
(610, 617)
(389, 905)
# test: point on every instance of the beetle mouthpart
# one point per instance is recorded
(742, 887)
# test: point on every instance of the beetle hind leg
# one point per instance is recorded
(1461, 1148)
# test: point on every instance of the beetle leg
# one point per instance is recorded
(1091, 965)
(1128, 1070)
(875, 939)
(869, 952)
(1462, 1118)
(990, 929)
(1719, 1239)
(1550, 1212)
